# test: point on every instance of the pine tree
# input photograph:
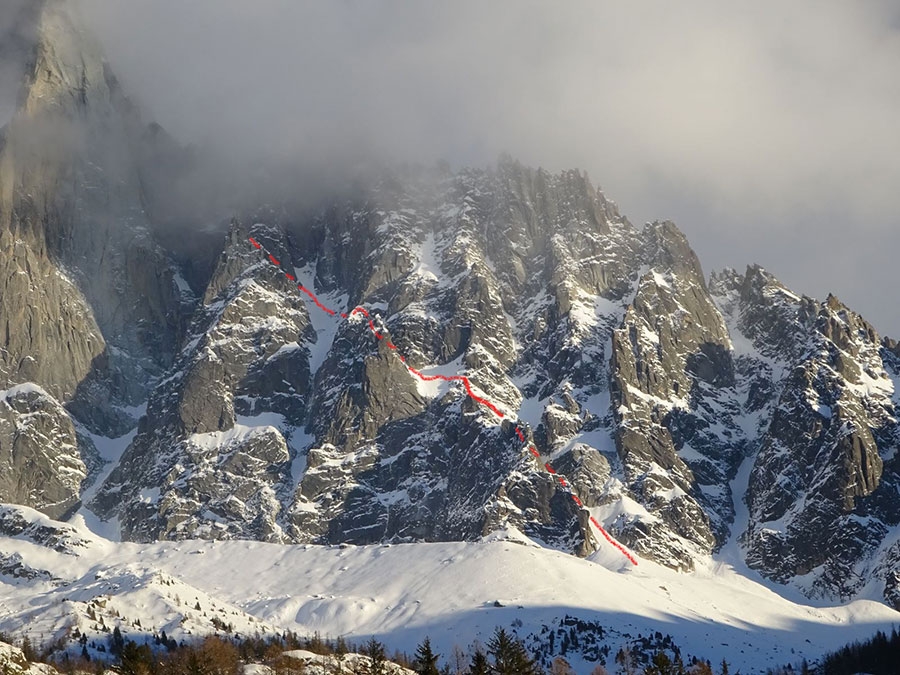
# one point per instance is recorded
(340, 653)
(375, 651)
(426, 659)
(480, 665)
(135, 660)
(510, 657)
(661, 665)
(724, 667)
(28, 650)
(500, 648)
(118, 642)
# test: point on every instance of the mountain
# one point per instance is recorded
(823, 489)
(69, 223)
(61, 581)
(184, 394)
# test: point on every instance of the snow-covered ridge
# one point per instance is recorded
(454, 592)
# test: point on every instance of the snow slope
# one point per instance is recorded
(401, 593)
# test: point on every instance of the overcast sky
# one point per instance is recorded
(769, 133)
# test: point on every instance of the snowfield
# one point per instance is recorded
(454, 592)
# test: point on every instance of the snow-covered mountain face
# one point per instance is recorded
(60, 582)
(823, 493)
(727, 418)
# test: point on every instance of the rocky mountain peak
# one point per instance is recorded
(90, 309)
(68, 69)
(892, 346)
(71, 190)
(726, 280)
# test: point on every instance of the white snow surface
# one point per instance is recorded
(214, 441)
(24, 388)
(319, 664)
(110, 450)
(429, 266)
(437, 388)
(325, 326)
(401, 593)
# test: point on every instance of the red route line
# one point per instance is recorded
(314, 298)
(448, 378)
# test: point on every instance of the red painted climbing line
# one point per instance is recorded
(612, 541)
(449, 378)
(313, 296)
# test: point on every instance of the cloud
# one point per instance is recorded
(14, 46)
(768, 132)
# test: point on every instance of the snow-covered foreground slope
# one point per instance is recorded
(401, 593)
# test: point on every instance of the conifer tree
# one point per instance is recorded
(426, 659)
(28, 650)
(135, 660)
(661, 665)
(118, 642)
(340, 653)
(480, 665)
(378, 661)
(510, 657)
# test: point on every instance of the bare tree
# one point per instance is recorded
(561, 667)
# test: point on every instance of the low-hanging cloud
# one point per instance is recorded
(14, 54)
(769, 132)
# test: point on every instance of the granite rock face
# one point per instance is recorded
(41, 465)
(826, 470)
(822, 488)
(89, 312)
(673, 379)
(71, 205)
(193, 469)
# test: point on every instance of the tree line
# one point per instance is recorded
(879, 655)
(504, 654)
